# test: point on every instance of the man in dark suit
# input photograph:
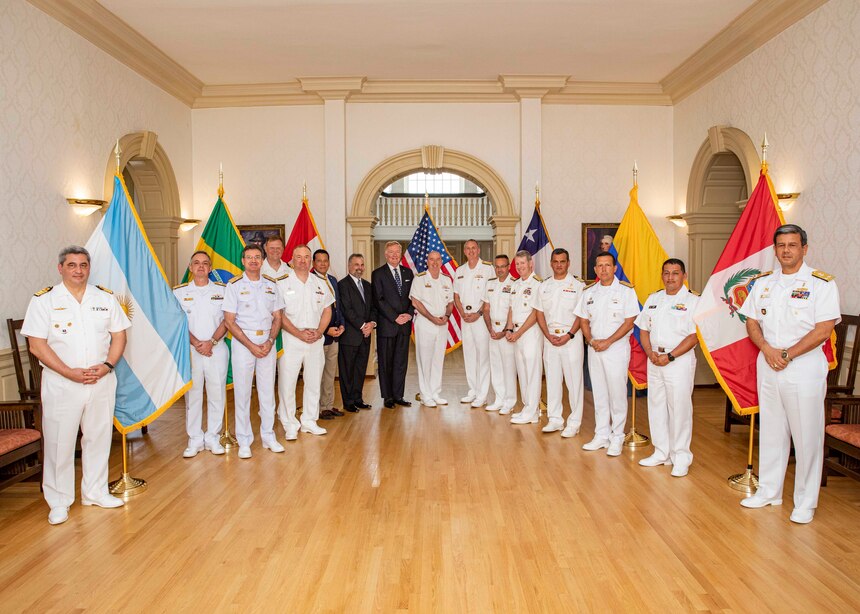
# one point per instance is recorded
(391, 285)
(359, 319)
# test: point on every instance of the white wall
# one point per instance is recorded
(63, 104)
(588, 154)
(803, 89)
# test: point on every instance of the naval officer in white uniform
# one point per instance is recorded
(503, 363)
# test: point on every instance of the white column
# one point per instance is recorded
(333, 226)
(530, 155)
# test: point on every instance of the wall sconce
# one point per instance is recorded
(187, 225)
(86, 206)
(786, 199)
(678, 220)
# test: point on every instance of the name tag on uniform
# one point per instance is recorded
(652, 306)
(98, 309)
(459, 277)
(801, 293)
(489, 289)
(244, 292)
(188, 298)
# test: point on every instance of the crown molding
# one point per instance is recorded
(600, 92)
(332, 88)
(254, 95)
(746, 33)
(533, 86)
(453, 90)
(115, 37)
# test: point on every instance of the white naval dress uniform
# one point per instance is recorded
(202, 306)
(791, 401)
(669, 320)
(606, 308)
(304, 303)
(558, 299)
(503, 363)
(282, 269)
(253, 302)
(431, 339)
(471, 285)
(528, 348)
(79, 333)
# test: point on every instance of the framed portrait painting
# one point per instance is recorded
(258, 233)
(596, 238)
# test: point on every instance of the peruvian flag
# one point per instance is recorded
(304, 233)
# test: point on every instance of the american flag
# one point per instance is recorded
(425, 240)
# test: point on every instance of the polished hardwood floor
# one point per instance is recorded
(437, 510)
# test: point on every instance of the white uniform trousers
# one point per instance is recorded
(66, 406)
(564, 363)
(503, 372)
(430, 341)
(476, 354)
(791, 403)
(298, 354)
(245, 365)
(210, 371)
(329, 371)
(527, 350)
(608, 371)
(670, 409)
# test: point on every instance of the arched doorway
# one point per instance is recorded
(721, 180)
(152, 184)
(431, 158)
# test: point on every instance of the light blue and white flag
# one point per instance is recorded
(155, 370)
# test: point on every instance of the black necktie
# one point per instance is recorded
(397, 280)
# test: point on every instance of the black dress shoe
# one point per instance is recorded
(336, 411)
(351, 408)
(403, 402)
(389, 403)
(362, 405)
(326, 415)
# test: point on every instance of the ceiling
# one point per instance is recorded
(270, 41)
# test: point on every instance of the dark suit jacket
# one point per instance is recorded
(390, 304)
(355, 311)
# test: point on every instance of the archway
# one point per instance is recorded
(431, 158)
(152, 185)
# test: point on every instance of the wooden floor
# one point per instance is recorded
(437, 510)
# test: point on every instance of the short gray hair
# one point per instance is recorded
(523, 253)
(72, 249)
(354, 256)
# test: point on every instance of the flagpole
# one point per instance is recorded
(226, 440)
(126, 486)
(747, 481)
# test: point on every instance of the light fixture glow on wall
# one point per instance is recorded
(786, 199)
(187, 225)
(678, 220)
(86, 206)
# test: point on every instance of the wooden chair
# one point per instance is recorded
(21, 452)
(842, 440)
(29, 384)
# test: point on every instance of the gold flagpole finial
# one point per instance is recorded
(537, 193)
(220, 180)
(764, 146)
(304, 191)
(635, 174)
(426, 201)
(116, 152)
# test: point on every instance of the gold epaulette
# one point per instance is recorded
(44, 291)
(487, 263)
(693, 292)
(219, 283)
(269, 278)
(539, 278)
(235, 279)
(765, 274)
(591, 284)
(181, 285)
(579, 279)
(282, 277)
(421, 273)
(625, 283)
(103, 289)
(823, 275)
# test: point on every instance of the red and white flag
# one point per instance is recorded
(304, 232)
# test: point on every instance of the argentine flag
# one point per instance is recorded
(155, 369)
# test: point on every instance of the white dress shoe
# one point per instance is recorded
(515, 415)
(244, 451)
(429, 403)
(802, 516)
(496, 406)
(654, 461)
(571, 430)
(58, 515)
(291, 433)
(313, 429)
(505, 411)
(596, 444)
(273, 445)
(478, 403)
(216, 448)
(615, 448)
(521, 419)
(553, 426)
(106, 501)
(191, 451)
(441, 402)
(756, 501)
(679, 471)
(468, 398)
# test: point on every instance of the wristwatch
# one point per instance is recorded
(571, 335)
(785, 355)
(214, 341)
(670, 357)
(109, 366)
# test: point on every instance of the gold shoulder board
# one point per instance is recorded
(487, 263)
(538, 277)
(269, 278)
(235, 279)
(591, 284)
(765, 274)
(181, 285)
(579, 279)
(626, 283)
(694, 293)
(284, 276)
(421, 273)
(823, 275)
(44, 291)
(219, 283)
(103, 289)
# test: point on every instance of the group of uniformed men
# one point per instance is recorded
(512, 330)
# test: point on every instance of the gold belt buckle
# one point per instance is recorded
(558, 331)
(259, 332)
(497, 323)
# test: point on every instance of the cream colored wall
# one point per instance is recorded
(588, 154)
(803, 89)
(267, 153)
(64, 103)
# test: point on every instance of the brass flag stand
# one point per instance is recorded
(634, 439)
(747, 481)
(126, 486)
